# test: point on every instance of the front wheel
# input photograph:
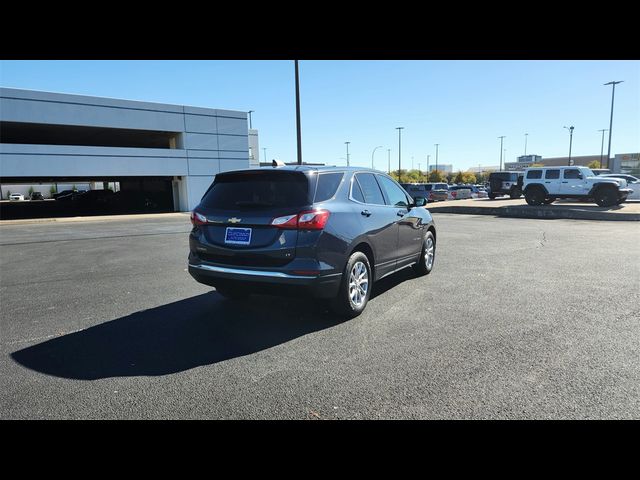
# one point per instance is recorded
(606, 197)
(427, 256)
(355, 288)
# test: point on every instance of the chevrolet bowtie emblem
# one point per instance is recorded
(234, 220)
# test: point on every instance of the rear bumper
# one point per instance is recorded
(266, 281)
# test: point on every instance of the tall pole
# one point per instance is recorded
(525, 144)
(428, 157)
(570, 141)
(265, 153)
(374, 151)
(437, 156)
(389, 160)
(250, 112)
(602, 146)
(501, 139)
(298, 115)
(399, 150)
(347, 144)
(613, 92)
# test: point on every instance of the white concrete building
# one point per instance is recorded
(174, 149)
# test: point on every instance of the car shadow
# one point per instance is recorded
(201, 330)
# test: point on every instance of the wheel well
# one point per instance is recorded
(366, 249)
(536, 186)
(433, 230)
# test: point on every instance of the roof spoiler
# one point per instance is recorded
(277, 163)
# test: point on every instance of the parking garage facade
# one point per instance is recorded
(161, 157)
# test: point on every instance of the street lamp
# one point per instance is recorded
(602, 146)
(347, 144)
(570, 141)
(399, 150)
(264, 149)
(437, 156)
(389, 160)
(525, 144)
(298, 115)
(374, 151)
(250, 112)
(501, 139)
(613, 92)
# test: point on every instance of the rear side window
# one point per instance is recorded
(534, 174)
(442, 186)
(396, 196)
(370, 189)
(257, 189)
(552, 174)
(327, 186)
(356, 192)
(428, 187)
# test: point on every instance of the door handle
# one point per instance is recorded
(547, 182)
(366, 213)
(565, 182)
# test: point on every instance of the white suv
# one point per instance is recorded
(543, 185)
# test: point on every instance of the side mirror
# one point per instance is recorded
(420, 201)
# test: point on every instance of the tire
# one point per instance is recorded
(534, 196)
(425, 265)
(350, 301)
(232, 293)
(492, 196)
(606, 197)
(549, 200)
(515, 193)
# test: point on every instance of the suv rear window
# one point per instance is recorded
(327, 185)
(259, 189)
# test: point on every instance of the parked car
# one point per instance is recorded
(436, 192)
(93, 198)
(632, 182)
(326, 231)
(545, 185)
(36, 196)
(16, 197)
(478, 191)
(68, 195)
(459, 192)
(63, 193)
(600, 171)
(505, 183)
(416, 190)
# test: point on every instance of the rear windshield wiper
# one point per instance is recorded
(251, 203)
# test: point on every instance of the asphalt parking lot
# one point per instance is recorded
(521, 318)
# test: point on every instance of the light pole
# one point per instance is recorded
(613, 92)
(399, 150)
(389, 160)
(298, 115)
(250, 112)
(347, 144)
(265, 153)
(602, 146)
(501, 139)
(374, 151)
(570, 141)
(525, 144)
(428, 157)
(437, 156)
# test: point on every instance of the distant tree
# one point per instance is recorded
(468, 177)
(31, 190)
(52, 190)
(74, 188)
(594, 164)
(8, 194)
(458, 177)
(437, 176)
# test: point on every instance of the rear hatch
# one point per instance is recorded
(496, 179)
(239, 208)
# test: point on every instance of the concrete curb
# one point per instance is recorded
(95, 218)
(547, 211)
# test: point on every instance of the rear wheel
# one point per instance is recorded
(232, 293)
(427, 257)
(606, 197)
(534, 196)
(492, 196)
(355, 288)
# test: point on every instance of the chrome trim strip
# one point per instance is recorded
(255, 273)
(397, 270)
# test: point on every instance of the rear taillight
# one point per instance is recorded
(198, 219)
(307, 220)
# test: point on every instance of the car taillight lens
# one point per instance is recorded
(307, 220)
(198, 219)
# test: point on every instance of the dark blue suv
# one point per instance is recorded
(327, 231)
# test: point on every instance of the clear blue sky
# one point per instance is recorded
(462, 105)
